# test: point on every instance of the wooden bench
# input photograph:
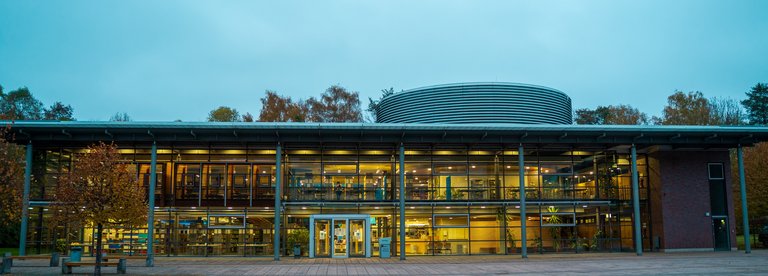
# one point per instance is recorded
(66, 267)
(8, 260)
(127, 257)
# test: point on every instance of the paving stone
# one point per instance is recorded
(710, 263)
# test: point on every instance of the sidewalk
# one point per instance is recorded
(711, 263)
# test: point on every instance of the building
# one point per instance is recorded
(454, 169)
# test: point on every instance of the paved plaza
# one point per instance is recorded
(712, 263)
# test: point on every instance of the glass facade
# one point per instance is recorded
(460, 200)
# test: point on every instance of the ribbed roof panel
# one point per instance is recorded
(477, 103)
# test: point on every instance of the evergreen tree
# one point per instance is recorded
(757, 104)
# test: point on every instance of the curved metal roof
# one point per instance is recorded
(477, 103)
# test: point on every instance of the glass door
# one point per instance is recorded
(720, 228)
(322, 238)
(340, 238)
(357, 238)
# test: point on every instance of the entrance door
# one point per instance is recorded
(341, 235)
(357, 238)
(322, 238)
(720, 228)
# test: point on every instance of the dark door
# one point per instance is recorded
(720, 228)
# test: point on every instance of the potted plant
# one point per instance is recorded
(510, 240)
(578, 244)
(554, 231)
(298, 236)
(539, 244)
(594, 245)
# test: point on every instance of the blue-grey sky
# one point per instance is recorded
(167, 60)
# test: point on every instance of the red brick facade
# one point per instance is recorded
(680, 198)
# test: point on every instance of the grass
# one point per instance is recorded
(755, 243)
(14, 251)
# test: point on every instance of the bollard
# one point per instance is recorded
(54, 259)
(6, 267)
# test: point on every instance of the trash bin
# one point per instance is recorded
(75, 253)
(384, 247)
(296, 251)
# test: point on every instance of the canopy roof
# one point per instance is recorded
(81, 132)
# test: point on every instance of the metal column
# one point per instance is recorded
(523, 236)
(25, 202)
(278, 197)
(744, 211)
(636, 204)
(402, 202)
(151, 212)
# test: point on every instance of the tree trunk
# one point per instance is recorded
(97, 268)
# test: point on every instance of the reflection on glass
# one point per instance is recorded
(213, 184)
(188, 181)
(357, 237)
(340, 238)
(322, 238)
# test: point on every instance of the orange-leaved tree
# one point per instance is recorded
(11, 181)
(102, 190)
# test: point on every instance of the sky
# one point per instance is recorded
(169, 60)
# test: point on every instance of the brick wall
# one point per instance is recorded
(680, 198)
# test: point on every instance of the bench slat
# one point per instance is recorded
(29, 257)
(90, 264)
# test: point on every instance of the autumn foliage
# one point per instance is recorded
(11, 180)
(102, 190)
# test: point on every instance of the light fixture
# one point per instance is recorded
(517, 207)
(447, 207)
(482, 207)
(303, 207)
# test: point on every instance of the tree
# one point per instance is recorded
(59, 112)
(224, 114)
(611, 115)
(756, 177)
(120, 117)
(336, 105)
(275, 108)
(101, 190)
(19, 104)
(373, 105)
(725, 111)
(11, 180)
(247, 117)
(757, 104)
(686, 109)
